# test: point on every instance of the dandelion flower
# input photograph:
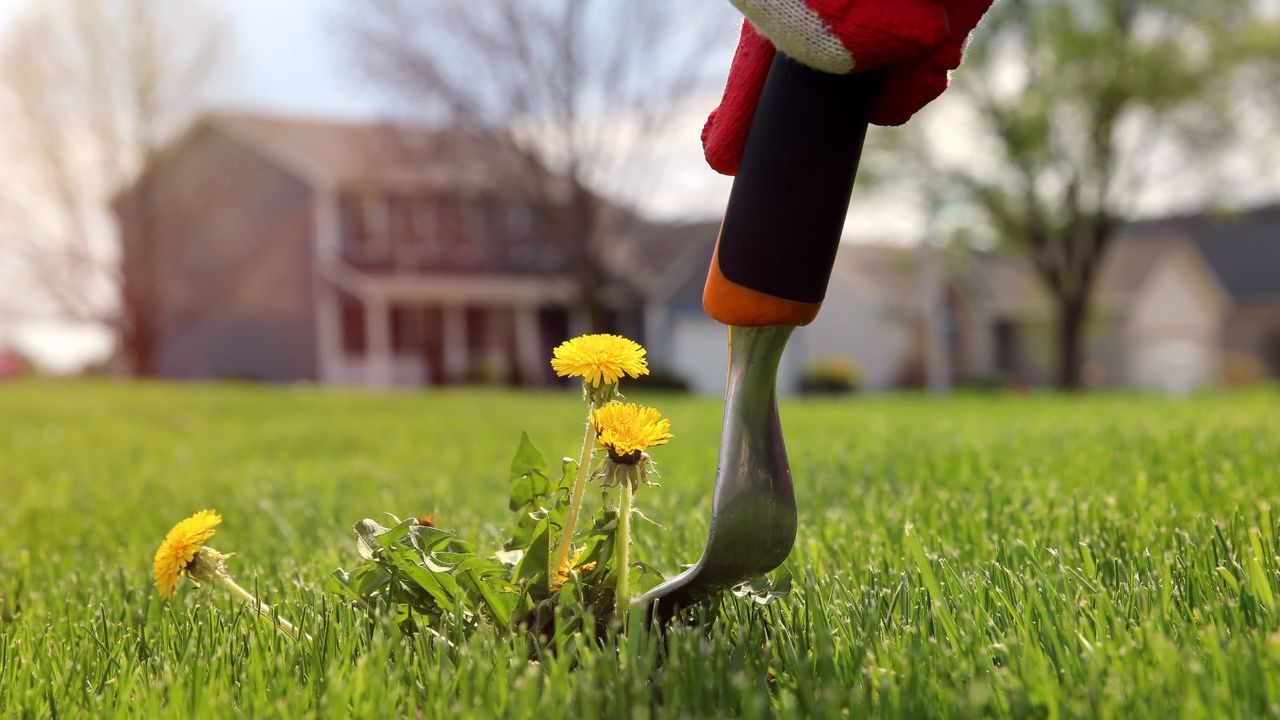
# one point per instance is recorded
(183, 552)
(627, 431)
(180, 548)
(561, 576)
(599, 359)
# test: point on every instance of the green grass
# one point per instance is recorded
(1110, 556)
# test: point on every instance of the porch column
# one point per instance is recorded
(377, 323)
(328, 333)
(328, 319)
(455, 344)
(528, 353)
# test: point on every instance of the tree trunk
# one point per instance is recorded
(140, 345)
(588, 268)
(139, 319)
(1072, 313)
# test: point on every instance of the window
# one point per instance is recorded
(353, 331)
(513, 223)
(406, 329)
(517, 220)
(365, 231)
(427, 229)
(448, 223)
(1008, 360)
(477, 329)
(475, 240)
(1271, 351)
(469, 240)
(400, 226)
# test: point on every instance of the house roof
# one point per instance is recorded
(1242, 250)
(671, 259)
(1010, 286)
(889, 272)
(378, 154)
(1242, 247)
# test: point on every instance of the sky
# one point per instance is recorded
(286, 56)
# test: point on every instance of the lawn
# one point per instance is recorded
(1108, 556)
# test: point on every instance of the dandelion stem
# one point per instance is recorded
(263, 609)
(575, 499)
(623, 541)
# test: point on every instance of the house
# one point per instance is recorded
(868, 316)
(279, 249)
(1156, 319)
(1181, 302)
(1243, 250)
(1176, 301)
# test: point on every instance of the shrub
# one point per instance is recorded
(834, 375)
(1239, 368)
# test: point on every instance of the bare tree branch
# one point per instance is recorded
(95, 89)
(579, 88)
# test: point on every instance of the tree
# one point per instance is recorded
(93, 90)
(1078, 108)
(578, 88)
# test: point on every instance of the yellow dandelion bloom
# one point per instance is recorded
(561, 576)
(628, 429)
(599, 359)
(180, 547)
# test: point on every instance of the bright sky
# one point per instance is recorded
(286, 56)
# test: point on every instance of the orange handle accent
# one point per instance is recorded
(732, 304)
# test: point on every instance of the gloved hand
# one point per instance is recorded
(918, 41)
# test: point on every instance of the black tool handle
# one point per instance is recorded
(788, 203)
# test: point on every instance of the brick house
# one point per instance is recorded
(352, 254)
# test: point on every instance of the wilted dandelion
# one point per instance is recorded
(183, 552)
(178, 552)
(561, 575)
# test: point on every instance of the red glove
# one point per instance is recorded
(919, 41)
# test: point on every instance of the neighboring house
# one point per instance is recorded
(1243, 250)
(1156, 319)
(1173, 301)
(868, 316)
(286, 250)
(1181, 302)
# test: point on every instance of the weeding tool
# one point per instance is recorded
(769, 274)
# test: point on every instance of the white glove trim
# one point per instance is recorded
(798, 31)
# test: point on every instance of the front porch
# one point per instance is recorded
(450, 332)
